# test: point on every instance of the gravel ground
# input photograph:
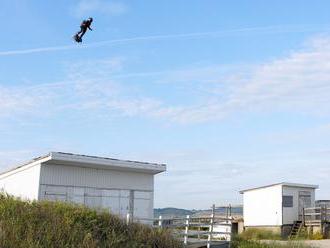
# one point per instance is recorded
(325, 243)
(319, 243)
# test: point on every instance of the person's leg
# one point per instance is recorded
(82, 32)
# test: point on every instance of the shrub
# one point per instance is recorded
(315, 236)
(303, 235)
(55, 224)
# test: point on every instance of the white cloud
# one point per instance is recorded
(16, 99)
(298, 82)
(106, 7)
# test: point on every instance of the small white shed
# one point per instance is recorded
(276, 205)
(120, 186)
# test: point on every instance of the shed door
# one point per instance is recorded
(305, 201)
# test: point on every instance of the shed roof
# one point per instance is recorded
(295, 185)
(94, 162)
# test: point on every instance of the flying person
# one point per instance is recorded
(86, 24)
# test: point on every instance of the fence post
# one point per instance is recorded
(324, 228)
(160, 222)
(230, 221)
(303, 216)
(209, 238)
(230, 214)
(128, 218)
(186, 230)
(199, 229)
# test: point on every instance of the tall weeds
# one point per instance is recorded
(54, 224)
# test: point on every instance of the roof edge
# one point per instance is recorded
(55, 154)
(155, 167)
(300, 185)
(32, 162)
(107, 163)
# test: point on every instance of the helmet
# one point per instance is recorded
(90, 19)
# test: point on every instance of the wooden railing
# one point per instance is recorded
(316, 216)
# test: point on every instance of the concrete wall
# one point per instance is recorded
(22, 182)
(291, 214)
(263, 207)
(120, 192)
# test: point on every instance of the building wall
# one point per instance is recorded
(322, 203)
(120, 192)
(291, 214)
(274, 229)
(100, 178)
(22, 182)
(263, 207)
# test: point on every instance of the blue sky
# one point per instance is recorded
(229, 94)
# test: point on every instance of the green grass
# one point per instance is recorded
(54, 224)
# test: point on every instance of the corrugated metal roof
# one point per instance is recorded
(298, 185)
(94, 160)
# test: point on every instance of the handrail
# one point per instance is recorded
(316, 216)
(312, 208)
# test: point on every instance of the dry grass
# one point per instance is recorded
(259, 234)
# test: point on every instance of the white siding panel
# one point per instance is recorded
(100, 188)
(100, 178)
(22, 182)
(141, 208)
(78, 195)
(124, 206)
(263, 207)
(142, 204)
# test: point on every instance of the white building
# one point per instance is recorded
(118, 185)
(276, 205)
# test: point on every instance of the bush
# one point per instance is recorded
(55, 224)
(303, 235)
(258, 234)
(315, 236)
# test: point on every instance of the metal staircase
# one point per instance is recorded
(296, 228)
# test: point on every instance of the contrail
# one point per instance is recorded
(253, 30)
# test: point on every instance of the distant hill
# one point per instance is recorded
(172, 212)
(179, 212)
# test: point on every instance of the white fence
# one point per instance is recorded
(207, 230)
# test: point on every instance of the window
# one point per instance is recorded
(287, 201)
